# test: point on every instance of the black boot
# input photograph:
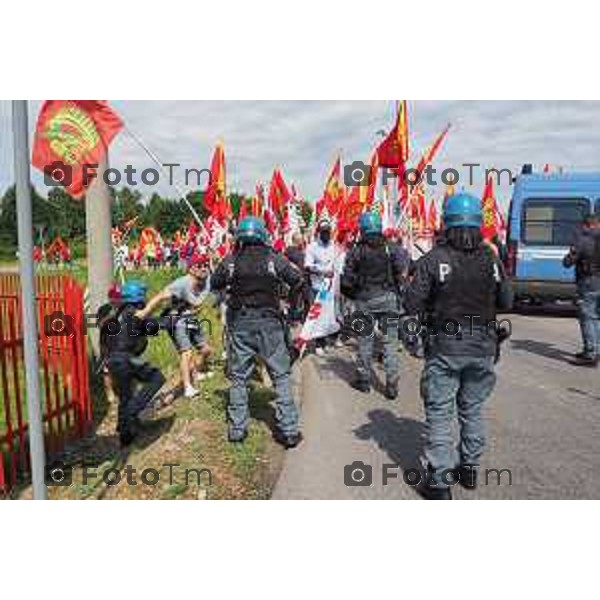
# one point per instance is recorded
(391, 390)
(361, 385)
(585, 360)
(288, 441)
(436, 493)
(467, 476)
(429, 491)
(128, 432)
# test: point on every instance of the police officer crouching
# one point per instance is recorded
(584, 255)
(251, 275)
(459, 285)
(123, 341)
(373, 276)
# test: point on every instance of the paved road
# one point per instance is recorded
(543, 424)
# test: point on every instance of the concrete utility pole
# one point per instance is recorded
(99, 245)
(28, 298)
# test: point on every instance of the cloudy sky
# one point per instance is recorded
(304, 137)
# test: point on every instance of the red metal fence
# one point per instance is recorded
(64, 383)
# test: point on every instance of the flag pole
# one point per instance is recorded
(159, 164)
(28, 298)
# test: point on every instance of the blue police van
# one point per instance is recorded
(546, 212)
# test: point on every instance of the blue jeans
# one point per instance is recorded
(135, 382)
(589, 321)
(384, 311)
(250, 336)
(450, 383)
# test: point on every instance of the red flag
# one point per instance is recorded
(243, 209)
(351, 210)
(215, 197)
(367, 192)
(270, 221)
(258, 201)
(320, 206)
(332, 195)
(489, 226)
(70, 134)
(279, 195)
(417, 207)
(393, 151)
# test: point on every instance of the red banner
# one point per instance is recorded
(70, 134)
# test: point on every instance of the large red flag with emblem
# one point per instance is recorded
(70, 134)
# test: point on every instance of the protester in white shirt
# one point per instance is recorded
(320, 264)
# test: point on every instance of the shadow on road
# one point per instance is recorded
(542, 349)
(401, 439)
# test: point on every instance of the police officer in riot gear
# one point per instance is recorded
(123, 338)
(458, 287)
(584, 255)
(251, 275)
(373, 276)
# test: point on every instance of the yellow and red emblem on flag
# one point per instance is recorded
(69, 135)
(489, 209)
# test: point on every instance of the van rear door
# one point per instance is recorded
(548, 228)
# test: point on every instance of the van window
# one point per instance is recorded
(552, 222)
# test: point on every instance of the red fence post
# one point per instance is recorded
(63, 369)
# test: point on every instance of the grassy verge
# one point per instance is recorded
(188, 433)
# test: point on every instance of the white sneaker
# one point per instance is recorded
(190, 391)
(319, 351)
(339, 343)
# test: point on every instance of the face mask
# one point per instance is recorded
(325, 236)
